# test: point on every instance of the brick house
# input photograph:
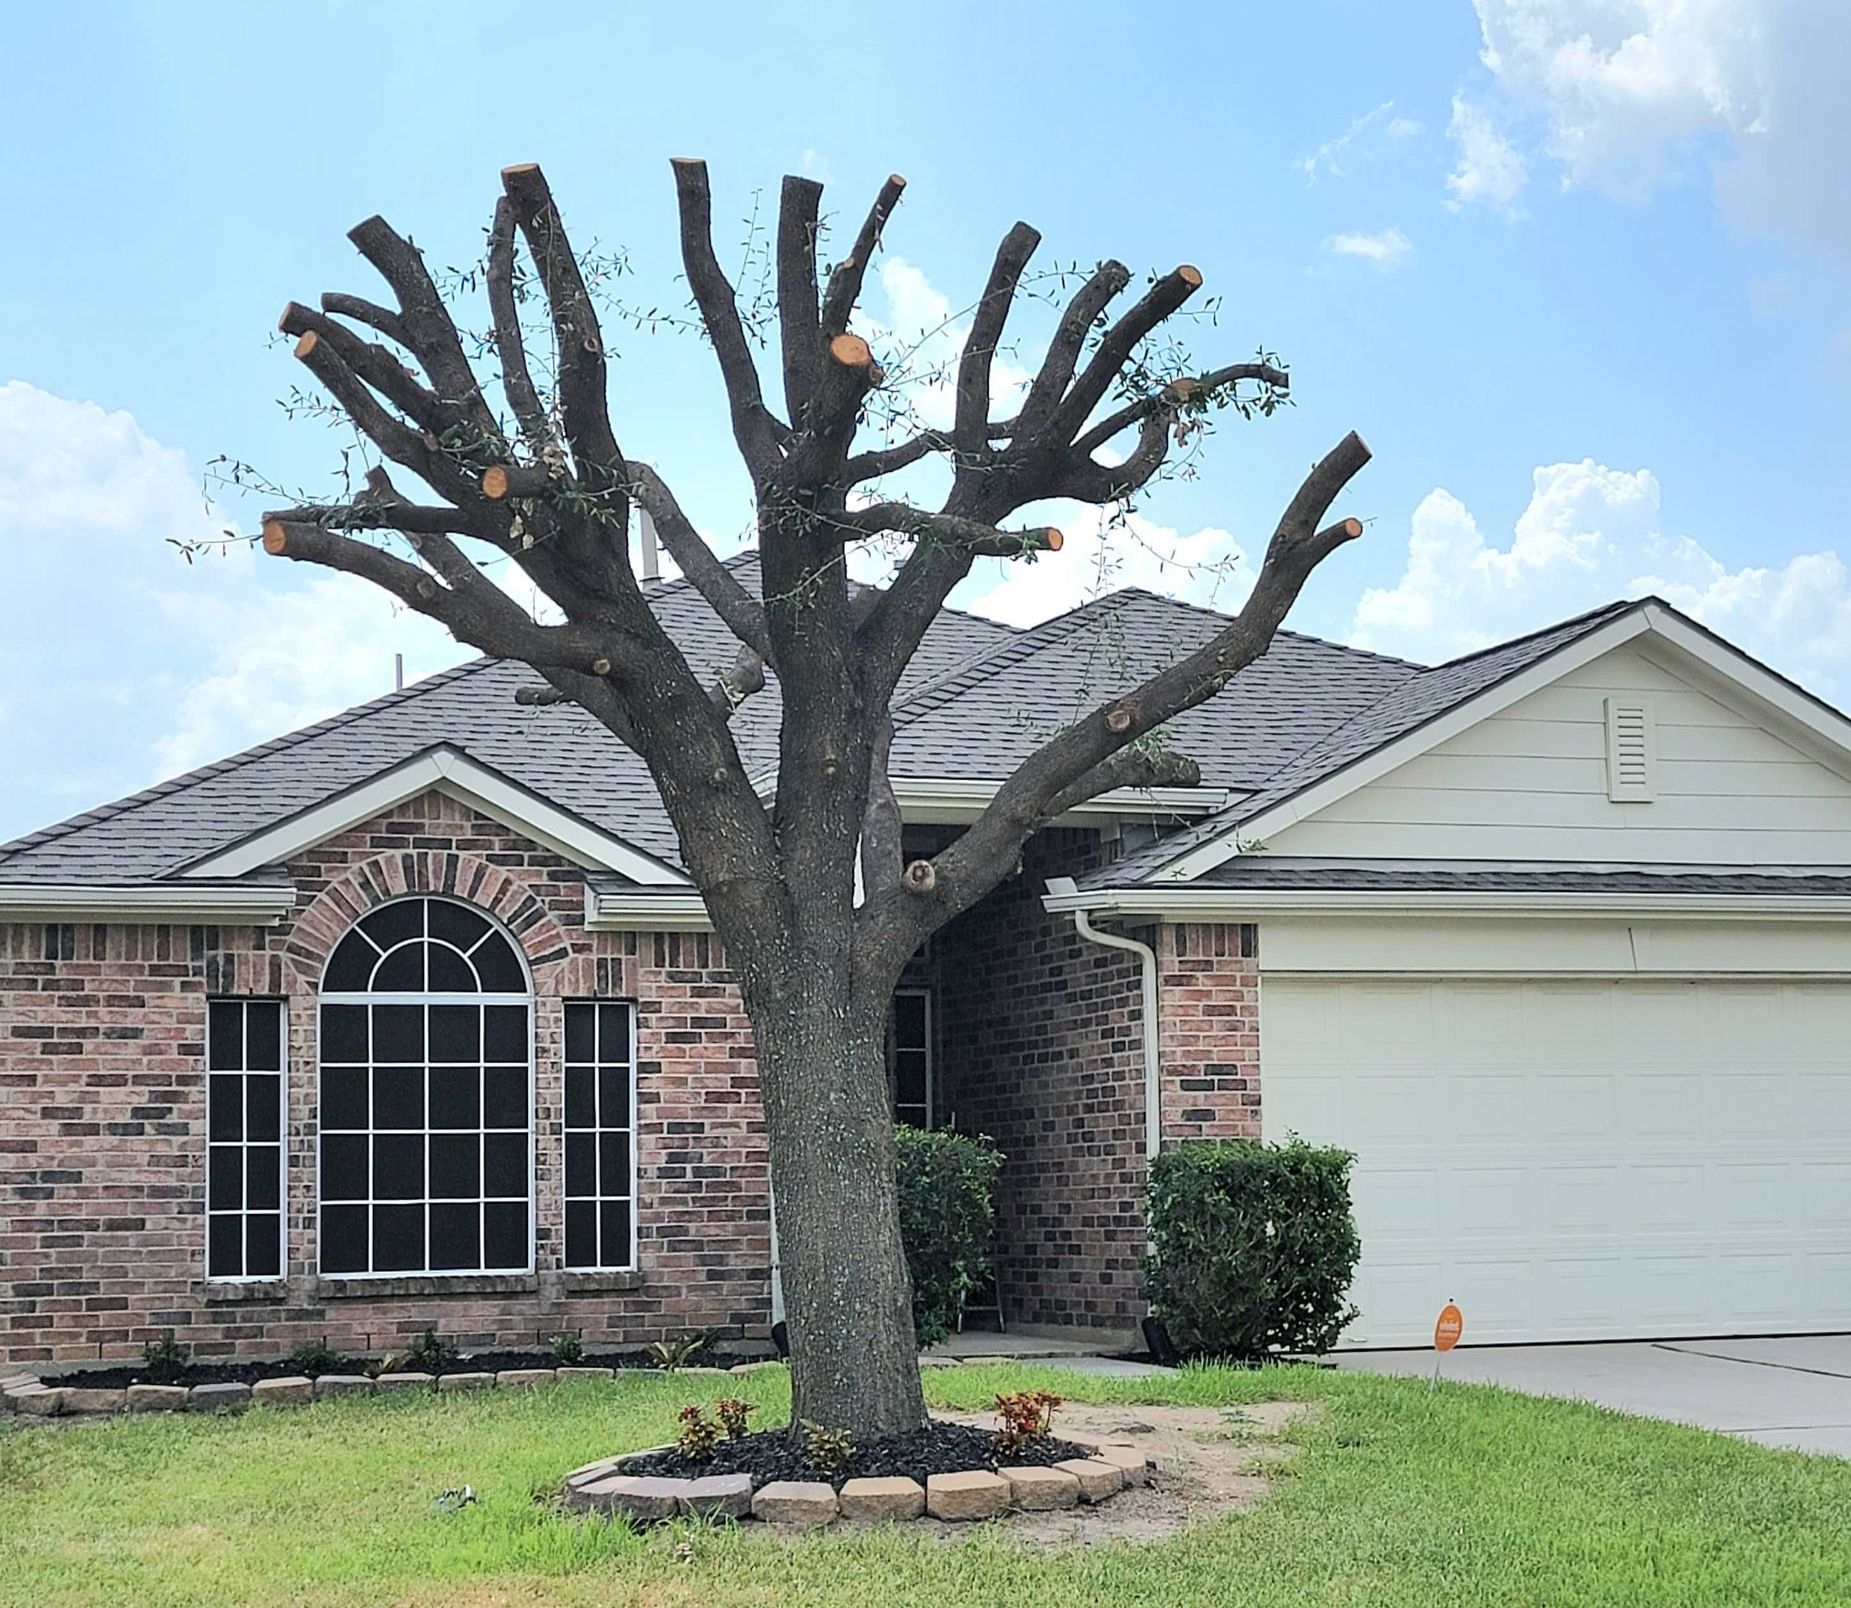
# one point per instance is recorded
(413, 1017)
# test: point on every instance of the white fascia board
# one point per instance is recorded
(444, 770)
(965, 798)
(163, 902)
(646, 912)
(1379, 762)
(1171, 903)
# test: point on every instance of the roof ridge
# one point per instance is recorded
(174, 784)
(1615, 606)
(1297, 636)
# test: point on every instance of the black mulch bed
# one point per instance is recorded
(939, 1448)
(248, 1373)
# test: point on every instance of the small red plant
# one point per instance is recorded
(1025, 1416)
(733, 1414)
(698, 1435)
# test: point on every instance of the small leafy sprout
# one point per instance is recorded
(454, 1501)
(163, 1359)
(827, 1450)
(430, 1353)
(698, 1435)
(733, 1413)
(316, 1357)
(567, 1349)
(672, 1354)
(1026, 1416)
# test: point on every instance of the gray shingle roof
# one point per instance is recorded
(1268, 873)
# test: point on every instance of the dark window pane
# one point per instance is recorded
(456, 1097)
(504, 1033)
(581, 1164)
(456, 1033)
(581, 1097)
(401, 972)
(398, 1238)
(225, 1035)
(614, 1164)
(398, 1097)
(343, 1098)
(398, 1033)
(351, 966)
(456, 1237)
(224, 1178)
(614, 1232)
(344, 1171)
(263, 1036)
(909, 1020)
(504, 1097)
(581, 1233)
(613, 1097)
(225, 1247)
(343, 1033)
(343, 1239)
(504, 1234)
(263, 1238)
(614, 1033)
(909, 1078)
(393, 923)
(225, 1106)
(456, 1166)
(581, 1026)
(449, 972)
(504, 1165)
(398, 1166)
(497, 966)
(263, 1178)
(455, 923)
(263, 1106)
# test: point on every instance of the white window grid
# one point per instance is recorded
(242, 1072)
(604, 1056)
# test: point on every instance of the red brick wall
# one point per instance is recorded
(1208, 980)
(102, 1118)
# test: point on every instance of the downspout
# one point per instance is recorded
(1147, 960)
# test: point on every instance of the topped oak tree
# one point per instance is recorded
(815, 904)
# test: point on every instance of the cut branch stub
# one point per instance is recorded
(501, 481)
(1119, 718)
(919, 877)
(276, 537)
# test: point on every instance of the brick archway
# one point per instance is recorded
(464, 877)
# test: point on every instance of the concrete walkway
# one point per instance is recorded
(1782, 1392)
(1080, 1350)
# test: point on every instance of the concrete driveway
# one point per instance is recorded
(1784, 1392)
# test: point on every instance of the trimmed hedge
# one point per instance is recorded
(1252, 1247)
(947, 1216)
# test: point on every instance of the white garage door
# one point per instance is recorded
(1579, 1160)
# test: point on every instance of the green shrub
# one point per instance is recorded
(1252, 1247)
(947, 1215)
(163, 1360)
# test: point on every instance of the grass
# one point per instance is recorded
(1469, 1496)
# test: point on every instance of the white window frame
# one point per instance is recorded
(426, 1000)
(923, 992)
(629, 1006)
(245, 1001)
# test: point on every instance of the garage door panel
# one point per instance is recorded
(1579, 1159)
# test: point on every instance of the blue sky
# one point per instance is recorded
(1579, 270)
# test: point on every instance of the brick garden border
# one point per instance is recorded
(46, 1398)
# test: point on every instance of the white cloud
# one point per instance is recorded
(1490, 171)
(1385, 250)
(1634, 93)
(1103, 553)
(1363, 141)
(1588, 535)
(124, 663)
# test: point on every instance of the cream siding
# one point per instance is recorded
(1530, 783)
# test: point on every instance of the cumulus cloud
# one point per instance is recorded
(1636, 93)
(1590, 534)
(1362, 142)
(124, 663)
(1489, 170)
(1385, 250)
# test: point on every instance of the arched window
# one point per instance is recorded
(426, 1105)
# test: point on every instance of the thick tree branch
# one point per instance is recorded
(510, 343)
(1174, 395)
(889, 460)
(743, 614)
(1063, 353)
(1116, 346)
(755, 432)
(799, 322)
(880, 825)
(846, 277)
(734, 685)
(971, 429)
(971, 536)
(370, 313)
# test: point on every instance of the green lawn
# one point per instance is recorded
(1468, 1496)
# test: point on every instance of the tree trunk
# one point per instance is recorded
(847, 1296)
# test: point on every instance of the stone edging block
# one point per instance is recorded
(386, 1383)
(809, 1503)
(465, 1381)
(964, 1497)
(1037, 1490)
(226, 1398)
(342, 1385)
(889, 1498)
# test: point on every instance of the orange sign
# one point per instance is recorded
(1447, 1331)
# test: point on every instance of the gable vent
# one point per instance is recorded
(1632, 770)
